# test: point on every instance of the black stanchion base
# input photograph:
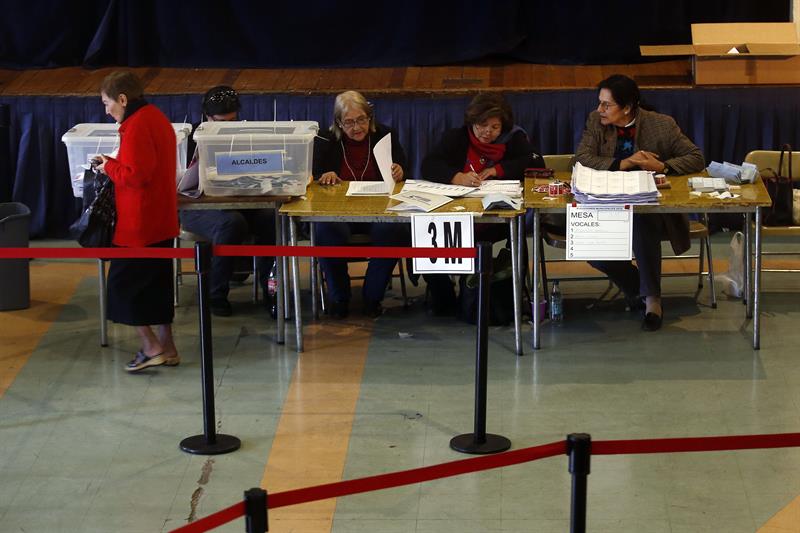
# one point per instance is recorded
(493, 444)
(198, 445)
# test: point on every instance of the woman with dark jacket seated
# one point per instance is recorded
(620, 135)
(488, 146)
(345, 153)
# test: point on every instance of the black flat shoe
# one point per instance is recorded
(651, 322)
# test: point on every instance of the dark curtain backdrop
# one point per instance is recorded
(313, 33)
(726, 124)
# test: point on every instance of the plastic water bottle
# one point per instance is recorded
(556, 304)
(272, 289)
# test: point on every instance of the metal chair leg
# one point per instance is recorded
(710, 268)
(403, 282)
(701, 257)
(543, 268)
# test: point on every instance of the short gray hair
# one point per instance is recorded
(345, 102)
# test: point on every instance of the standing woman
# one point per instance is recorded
(140, 291)
(345, 153)
(621, 135)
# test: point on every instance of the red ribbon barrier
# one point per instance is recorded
(695, 444)
(236, 250)
(477, 464)
(95, 253)
(211, 521)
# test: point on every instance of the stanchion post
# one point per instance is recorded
(480, 442)
(255, 511)
(209, 443)
(579, 449)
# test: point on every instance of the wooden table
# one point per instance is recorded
(676, 199)
(328, 203)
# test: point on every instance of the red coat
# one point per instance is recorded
(144, 179)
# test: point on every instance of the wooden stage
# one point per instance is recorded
(452, 79)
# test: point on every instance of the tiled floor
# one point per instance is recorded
(86, 447)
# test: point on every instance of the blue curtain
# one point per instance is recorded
(315, 33)
(725, 123)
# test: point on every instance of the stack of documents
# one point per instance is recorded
(613, 187)
(511, 188)
(417, 201)
(738, 174)
(702, 184)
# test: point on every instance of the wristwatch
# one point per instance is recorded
(666, 169)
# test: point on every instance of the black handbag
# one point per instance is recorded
(95, 227)
(780, 192)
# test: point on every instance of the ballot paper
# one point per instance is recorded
(418, 201)
(613, 187)
(703, 184)
(495, 201)
(383, 157)
(511, 188)
(744, 173)
(431, 187)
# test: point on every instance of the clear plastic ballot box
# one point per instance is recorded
(84, 141)
(255, 158)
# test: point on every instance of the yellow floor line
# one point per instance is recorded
(52, 285)
(786, 521)
(311, 440)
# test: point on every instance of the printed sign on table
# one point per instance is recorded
(599, 232)
(262, 162)
(443, 231)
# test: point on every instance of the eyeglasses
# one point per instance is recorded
(363, 120)
(605, 105)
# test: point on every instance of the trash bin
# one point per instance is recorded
(15, 285)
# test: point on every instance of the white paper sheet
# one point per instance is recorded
(421, 200)
(383, 156)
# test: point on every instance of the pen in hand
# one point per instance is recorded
(474, 172)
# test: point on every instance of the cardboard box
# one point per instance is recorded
(739, 53)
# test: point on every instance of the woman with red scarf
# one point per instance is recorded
(488, 146)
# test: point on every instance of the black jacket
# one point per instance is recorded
(328, 151)
(449, 156)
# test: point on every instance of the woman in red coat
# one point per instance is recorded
(140, 291)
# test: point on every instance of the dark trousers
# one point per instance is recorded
(648, 230)
(379, 270)
(232, 227)
(441, 287)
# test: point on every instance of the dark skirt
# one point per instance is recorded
(141, 291)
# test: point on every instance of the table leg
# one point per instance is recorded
(757, 285)
(314, 282)
(535, 280)
(748, 265)
(287, 302)
(298, 315)
(279, 274)
(513, 224)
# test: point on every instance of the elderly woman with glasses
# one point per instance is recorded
(488, 146)
(345, 153)
(621, 135)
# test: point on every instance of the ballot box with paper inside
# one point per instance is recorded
(84, 141)
(255, 158)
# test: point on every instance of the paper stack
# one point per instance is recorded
(613, 187)
(737, 174)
